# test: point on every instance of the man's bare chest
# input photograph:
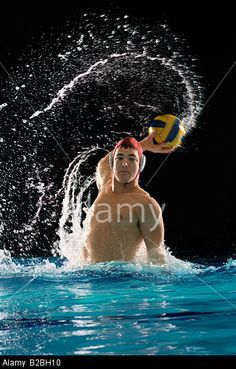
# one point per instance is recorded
(117, 209)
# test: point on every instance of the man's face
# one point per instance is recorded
(126, 164)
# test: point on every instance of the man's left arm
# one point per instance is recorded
(152, 230)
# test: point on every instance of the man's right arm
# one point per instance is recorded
(103, 172)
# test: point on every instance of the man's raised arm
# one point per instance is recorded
(103, 172)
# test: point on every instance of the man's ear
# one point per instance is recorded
(142, 163)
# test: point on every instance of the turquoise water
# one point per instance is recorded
(48, 307)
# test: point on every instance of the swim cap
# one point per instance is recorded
(130, 141)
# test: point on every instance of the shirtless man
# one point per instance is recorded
(124, 217)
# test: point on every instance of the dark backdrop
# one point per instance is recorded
(197, 183)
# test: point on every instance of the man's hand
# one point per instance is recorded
(148, 145)
(157, 255)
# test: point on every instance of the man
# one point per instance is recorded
(124, 217)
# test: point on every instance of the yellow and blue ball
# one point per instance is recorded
(168, 128)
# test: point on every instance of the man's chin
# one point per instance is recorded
(124, 180)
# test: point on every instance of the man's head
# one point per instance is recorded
(127, 160)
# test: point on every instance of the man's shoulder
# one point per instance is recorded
(140, 192)
(146, 199)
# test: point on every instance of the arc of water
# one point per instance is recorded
(166, 62)
(62, 92)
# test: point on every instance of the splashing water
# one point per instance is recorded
(49, 307)
(104, 77)
(70, 231)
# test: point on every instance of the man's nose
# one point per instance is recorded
(124, 163)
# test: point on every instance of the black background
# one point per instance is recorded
(196, 183)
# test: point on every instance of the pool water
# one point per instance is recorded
(49, 307)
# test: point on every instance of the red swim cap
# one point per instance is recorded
(130, 141)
